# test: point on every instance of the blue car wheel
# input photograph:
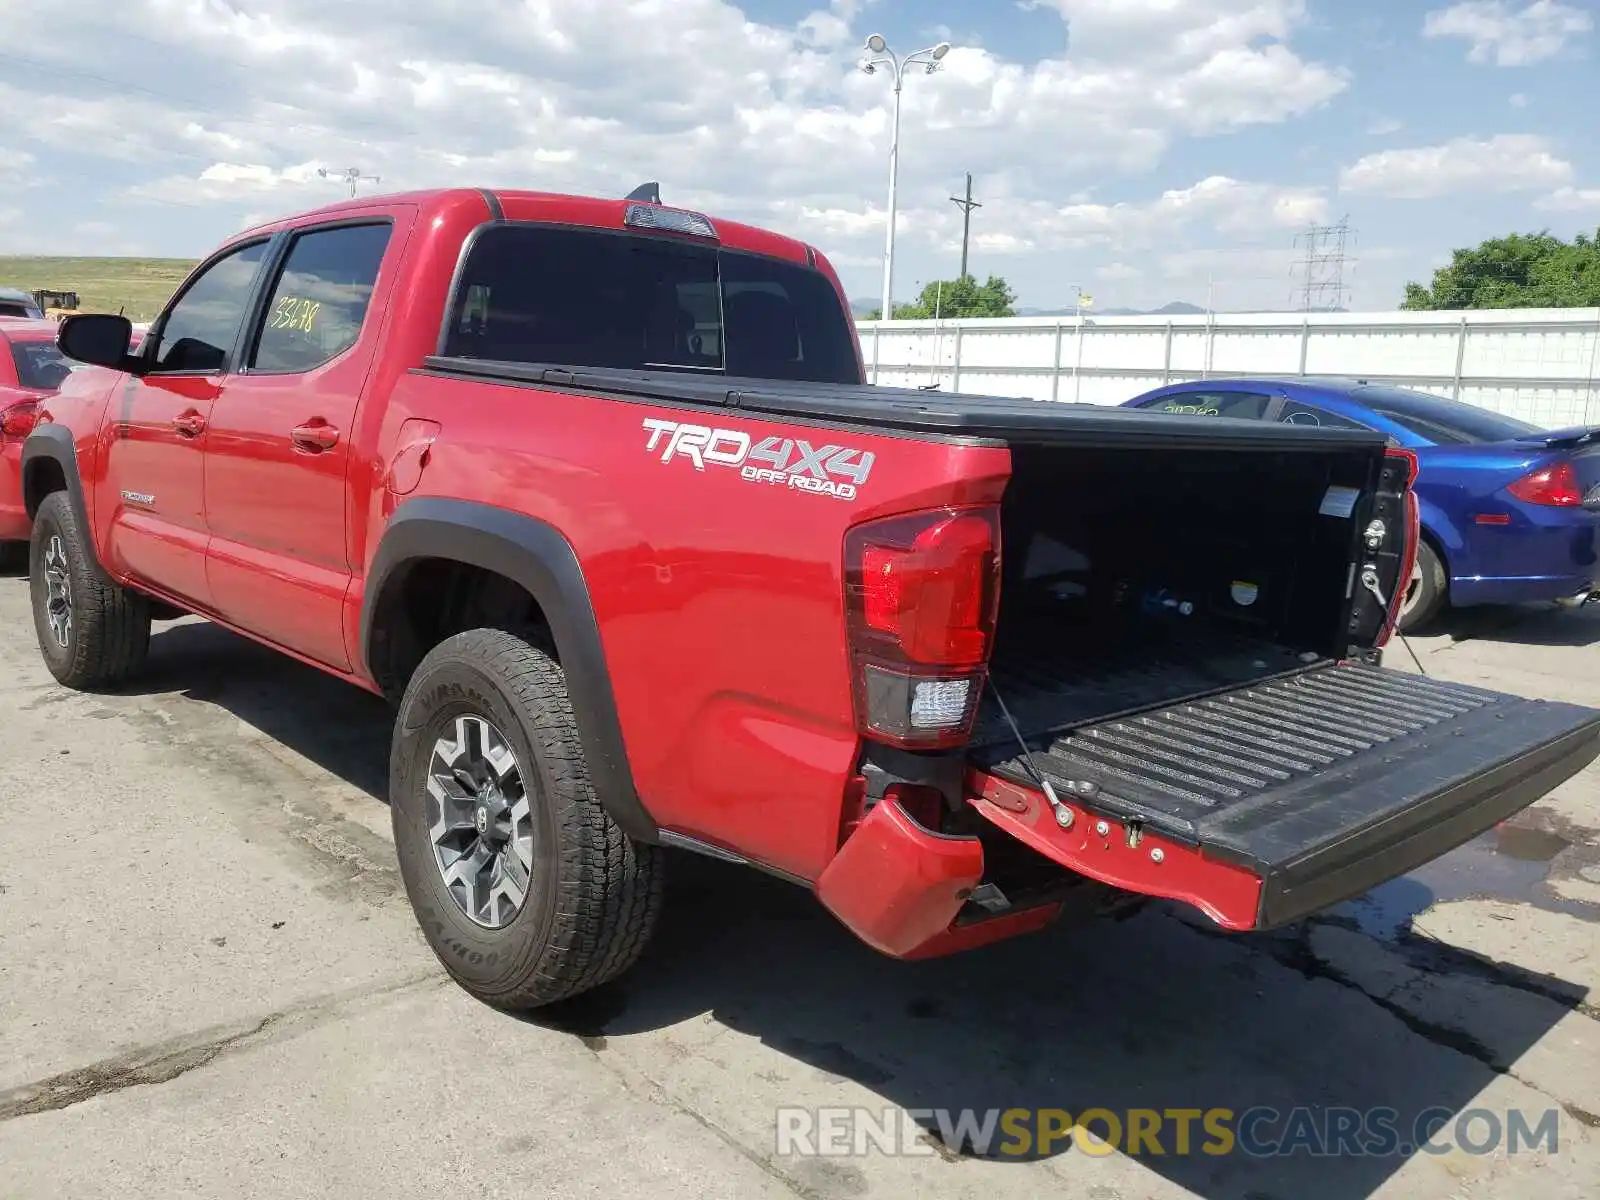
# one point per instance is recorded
(1425, 592)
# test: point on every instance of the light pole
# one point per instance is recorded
(879, 55)
(351, 175)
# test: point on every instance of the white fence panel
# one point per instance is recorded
(1538, 364)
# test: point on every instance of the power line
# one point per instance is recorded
(966, 206)
(1323, 286)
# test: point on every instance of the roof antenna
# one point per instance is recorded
(647, 193)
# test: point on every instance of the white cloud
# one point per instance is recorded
(1508, 35)
(1570, 199)
(1518, 100)
(15, 165)
(1383, 126)
(1509, 162)
(1117, 272)
(225, 181)
(225, 112)
(1217, 204)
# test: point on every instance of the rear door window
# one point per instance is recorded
(594, 298)
(320, 300)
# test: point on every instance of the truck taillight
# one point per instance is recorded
(921, 595)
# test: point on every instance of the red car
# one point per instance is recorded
(30, 368)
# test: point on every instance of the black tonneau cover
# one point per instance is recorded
(947, 414)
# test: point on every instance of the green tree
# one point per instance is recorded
(964, 297)
(1524, 270)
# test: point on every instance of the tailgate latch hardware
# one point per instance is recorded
(1135, 834)
(1078, 787)
(1369, 580)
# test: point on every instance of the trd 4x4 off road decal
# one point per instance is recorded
(788, 462)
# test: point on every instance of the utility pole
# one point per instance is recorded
(351, 175)
(966, 206)
(1323, 265)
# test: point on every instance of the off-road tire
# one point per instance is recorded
(109, 636)
(1433, 590)
(594, 894)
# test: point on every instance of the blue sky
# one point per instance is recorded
(1145, 150)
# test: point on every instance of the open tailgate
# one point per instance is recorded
(1267, 803)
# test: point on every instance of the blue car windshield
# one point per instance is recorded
(1439, 419)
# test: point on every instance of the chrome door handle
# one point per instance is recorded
(189, 424)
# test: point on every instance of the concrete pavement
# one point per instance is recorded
(210, 985)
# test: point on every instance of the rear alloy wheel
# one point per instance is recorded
(482, 825)
(1425, 591)
(526, 889)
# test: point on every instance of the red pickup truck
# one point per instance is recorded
(593, 490)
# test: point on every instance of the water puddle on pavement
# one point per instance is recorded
(1506, 863)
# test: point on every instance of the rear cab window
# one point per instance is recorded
(532, 293)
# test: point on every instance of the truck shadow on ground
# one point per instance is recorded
(1152, 1012)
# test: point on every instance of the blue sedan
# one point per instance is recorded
(1510, 512)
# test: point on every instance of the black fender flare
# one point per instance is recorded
(538, 558)
(54, 443)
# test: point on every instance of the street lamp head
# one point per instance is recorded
(876, 44)
(940, 51)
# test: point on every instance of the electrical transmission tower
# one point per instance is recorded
(1323, 286)
(966, 206)
(351, 175)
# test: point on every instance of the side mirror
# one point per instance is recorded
(100, 339)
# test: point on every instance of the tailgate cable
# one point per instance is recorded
(1062, 812)
(1369, 580)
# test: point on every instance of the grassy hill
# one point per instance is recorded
(137, 287)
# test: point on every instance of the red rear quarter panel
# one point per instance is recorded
(719, 600)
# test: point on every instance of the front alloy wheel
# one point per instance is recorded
(480, 822)
(58, 591)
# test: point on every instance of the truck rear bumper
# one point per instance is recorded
(1268, 803)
